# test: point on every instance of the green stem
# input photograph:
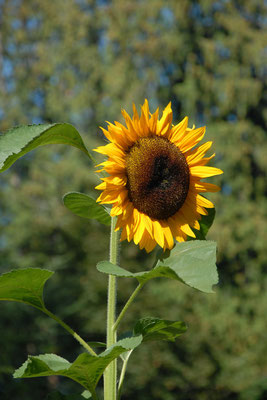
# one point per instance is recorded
(71, 331)
(110, 375)
(125, 308)
(123, 370)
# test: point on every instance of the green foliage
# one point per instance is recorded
(25, 285)
(192, 263)
(159, 329)
(20, 140)
(86, 369)
(86, 207)
(207, 58)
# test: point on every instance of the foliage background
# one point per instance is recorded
(80, 62)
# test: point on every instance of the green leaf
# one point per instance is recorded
(159, 329)
(160, 272)
(25, 285)
(86, 207)
(86, 369)
(205, 224)
(111, 269)
(192, 263)
(20, 140)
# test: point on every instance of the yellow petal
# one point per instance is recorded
(101, 186)
(168, 238)
(203, 202)
(117, 209)
(153, 122)
(191, 139)
(190, 214)
(205, 172)
(164, 124)
(203, 161)
(191, 201)
(206, 187)
(178, 131)
(120, 180)
(136, 123)
(130, 126)
(158, 233)
(149, 225)
(111, 150)
(193, 156)
(111, 167)
(183, 224)
(144, 119)
(139, 231)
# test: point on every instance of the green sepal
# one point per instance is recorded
(159, 329)
(86, 369)
(25, 286)
(86, 207)
(205, 224)
(192, 263)
(20, 140)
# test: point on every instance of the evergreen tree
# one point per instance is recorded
(80, 62)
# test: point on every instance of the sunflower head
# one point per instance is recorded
(154, 182)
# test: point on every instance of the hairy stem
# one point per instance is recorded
(71, 331)
(110, 375)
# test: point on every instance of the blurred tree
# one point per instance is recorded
(80, 62)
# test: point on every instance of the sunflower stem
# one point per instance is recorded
(110, 375)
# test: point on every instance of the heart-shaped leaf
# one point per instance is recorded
(86, 207)
(25, 285)
(192, 263)
(86, 369)
(159, 329)
(20, 140)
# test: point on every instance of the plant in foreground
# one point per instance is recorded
(153, 182)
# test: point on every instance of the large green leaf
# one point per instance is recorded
(86, 207)
(192, 263)
(20, 140)
(159, 329)
(25, 285)
(86, 369)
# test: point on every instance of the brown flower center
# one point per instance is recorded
(158, 177)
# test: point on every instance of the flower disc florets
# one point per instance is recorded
(158, 177)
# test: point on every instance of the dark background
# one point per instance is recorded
(80, 62)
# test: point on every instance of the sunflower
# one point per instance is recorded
(154, 181)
